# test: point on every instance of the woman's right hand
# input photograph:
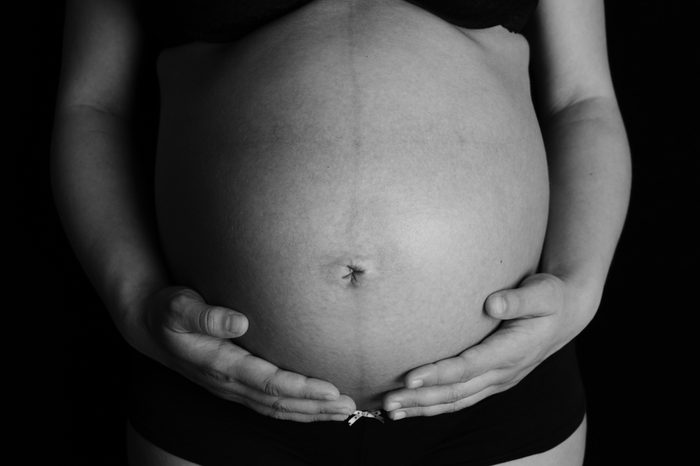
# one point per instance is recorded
(192, 338)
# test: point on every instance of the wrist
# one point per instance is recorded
(130, 305)
(584, 295)
(583, 284)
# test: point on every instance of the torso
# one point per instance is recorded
(369, 134)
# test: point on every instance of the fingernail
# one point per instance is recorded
(393, 405)
(499, 306)
(415, 383)
(329, 396)
(231, 324)
(399, 415)
(237, 324)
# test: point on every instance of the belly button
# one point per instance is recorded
(355, 272)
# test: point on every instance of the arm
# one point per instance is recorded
(100, 195)
(587, 149)
(589, 168)
(104, 202)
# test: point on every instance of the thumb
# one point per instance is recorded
(537, 295)
(189, 313)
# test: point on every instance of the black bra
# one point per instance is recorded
(176, 22)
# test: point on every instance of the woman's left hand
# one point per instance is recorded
(538, 318)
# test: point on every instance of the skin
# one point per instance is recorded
(99, 195)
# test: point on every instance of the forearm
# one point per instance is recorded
(590, 177)
(105, 210)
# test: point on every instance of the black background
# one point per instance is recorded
(634, 355)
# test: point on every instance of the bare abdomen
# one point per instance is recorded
(355, 203)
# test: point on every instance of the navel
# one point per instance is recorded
(354, 274)
(351, 270)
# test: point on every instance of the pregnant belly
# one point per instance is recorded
(321, 177)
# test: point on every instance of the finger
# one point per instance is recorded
(216, 363)
(189, 313)
(282, 413)
(443, 394)
(242, 393)
(448, 407)
(538, 295)
(238, 364)
(507, 347)
(469, 364)
(198, 367)
(344, 405)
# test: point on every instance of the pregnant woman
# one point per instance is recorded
(361, 193)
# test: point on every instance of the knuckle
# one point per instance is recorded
(468, 369)
(214, 374)
(423, 412)
(274, 414)
(179, 302)
(553, 285)
(163, 315)
(204, 320)
(279, 407)
(269, 385)
(454, 395)
(464, 373)
(283, 415)
(217, 375)
(435, 372)
(217, 365)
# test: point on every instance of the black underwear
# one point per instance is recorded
(542, 411)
